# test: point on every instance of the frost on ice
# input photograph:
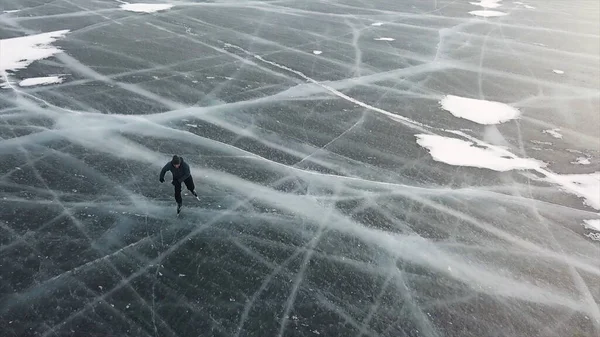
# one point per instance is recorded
(479, 111)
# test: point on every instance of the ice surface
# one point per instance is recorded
(145, 7)
(454, 151)
(385, 39)
(40, 81)
(560, 72)
(479, 111)
(337, 196)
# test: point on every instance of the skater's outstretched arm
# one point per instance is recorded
(162, 173)
(186, 172)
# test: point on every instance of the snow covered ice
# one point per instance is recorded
(455, 151)
(145, 7)
(364, 168)
(479, 111)
(40, 81)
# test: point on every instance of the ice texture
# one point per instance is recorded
(402, 187)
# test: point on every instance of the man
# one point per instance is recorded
(181, 174)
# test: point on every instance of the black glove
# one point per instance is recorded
(162, 180)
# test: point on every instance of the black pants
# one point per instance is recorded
(189, 183)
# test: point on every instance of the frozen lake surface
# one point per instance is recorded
(364, 168)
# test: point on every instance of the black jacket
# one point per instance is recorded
(179, 174)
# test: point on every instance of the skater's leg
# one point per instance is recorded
(177, 192)
(189, 184)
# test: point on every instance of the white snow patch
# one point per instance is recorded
(581, 161)
(458, 152)
(25, 50)
(524, 5)
(574, 151)
(384, 39)
(557, 71)
(192, 125)
(12, 11)
(592, 224)
(539, 44)
(487, 14)
(540, 142)
(479, 111)
(40, 81)
(317, 52)
(586, 186)
(145, 8)
(593, 236)
(377, 24)
(487, 3)
(554, 133)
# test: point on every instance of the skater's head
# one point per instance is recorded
(176, 161)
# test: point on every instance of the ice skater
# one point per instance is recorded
(181, 174)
